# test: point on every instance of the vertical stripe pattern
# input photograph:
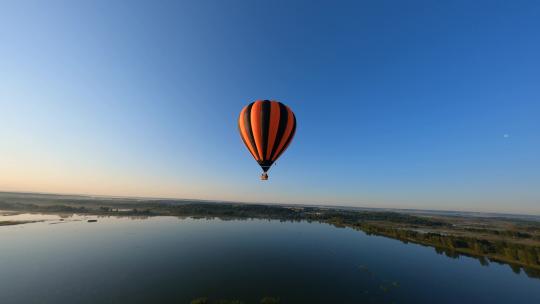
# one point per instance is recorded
(266, 128)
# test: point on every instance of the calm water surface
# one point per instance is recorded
(171, 260)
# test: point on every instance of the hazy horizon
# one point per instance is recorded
(315, 204)
(420, 105)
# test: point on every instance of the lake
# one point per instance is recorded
(172, 260)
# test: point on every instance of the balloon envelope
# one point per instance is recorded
(267, 128)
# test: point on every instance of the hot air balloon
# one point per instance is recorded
(267, 128)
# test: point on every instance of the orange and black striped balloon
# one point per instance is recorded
(267, 128)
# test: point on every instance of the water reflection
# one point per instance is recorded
(25, 217)
(13, 216)
(53, 219)
(175, 260)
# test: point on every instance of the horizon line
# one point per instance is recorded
(268, 203)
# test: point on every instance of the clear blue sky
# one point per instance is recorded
(411, 104)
